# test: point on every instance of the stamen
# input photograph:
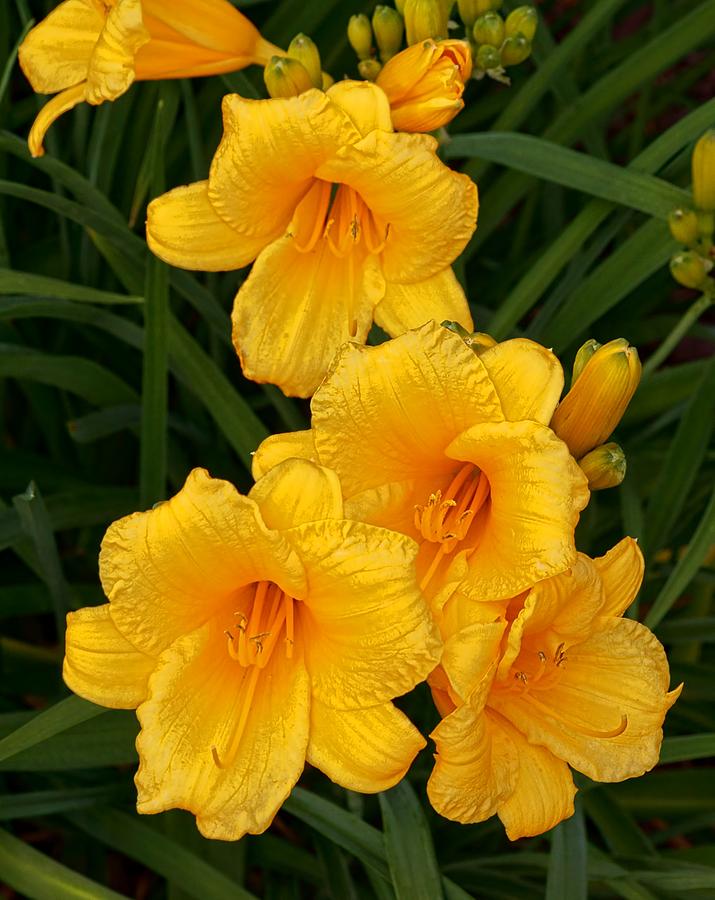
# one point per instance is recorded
(582, 729)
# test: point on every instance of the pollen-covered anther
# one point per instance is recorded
(447, 516)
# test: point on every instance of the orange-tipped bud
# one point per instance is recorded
(425, 83)
(599, 396)
(286, 77)
(425, 19)
(704, 172)
(605, 467)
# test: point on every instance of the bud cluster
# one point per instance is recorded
(694, 228)
(298, 71)
(386, 30)
(498, 43)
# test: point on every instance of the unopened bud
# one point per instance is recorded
(478, 341)
(593, 407)
(524, 19)
(706, 224)
(605, 467)
(704, 172)
(369, 69)
(305, 51)
(360, 35)
(585, 353)
(389, 28)
(690, 269)
(286, 77)
(488, 58)
(489, 29)
(515, 50)
(683, 224)
(425, 19)
(470, 10)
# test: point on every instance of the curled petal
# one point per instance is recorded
(621, 571)
(49, 113)
(439, 298)
(528, 378)
(295, 492)
(278, 447)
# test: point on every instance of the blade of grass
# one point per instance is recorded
(567, 877)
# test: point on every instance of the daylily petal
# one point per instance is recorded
(100, 664)
(386, 414)
(295, 310)
(366, 750)
(406, 306)
(279, 447)
(184, 230)
(537, 492)
(268, 157)
(621, 571)
(616, 679)
(469, 654)
(49, 113)
(368, 633)
(404, 183)
(543, 789)
(55, 54)
(111, 68)
(167, 571)
(196, 697)
(528, 378)
(296, 492)
(365, 104)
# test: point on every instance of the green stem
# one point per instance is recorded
(678, 333)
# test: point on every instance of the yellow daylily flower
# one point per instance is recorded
(334, 207)
(253, 633)
(425, 83)
(550, 679)
(454, 449)
(93, 50)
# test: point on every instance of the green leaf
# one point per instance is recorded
(35, 875)
(31, 804)
(687, 747)
(410, 853)
(47, 724)
(568, 860)
(13, 282)
(549, 161)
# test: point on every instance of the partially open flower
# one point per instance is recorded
(93, 50)
(252, 634)
(425, 83)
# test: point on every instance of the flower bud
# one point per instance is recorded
(582, 357)
(425, 83)
(489, 29)
(425, 19)
(605, 467)
(515, 50)
(683, 225)
(479, 341)
(690, 269)
(706, 224)
(286, 77)
(470, 10)
(599, 396)
(305, 51)
(388, 27)
(369, 69)
(326, 81)
(488, 58)
(360, 36)
(400, 5)
(524, 19)
(704, 172)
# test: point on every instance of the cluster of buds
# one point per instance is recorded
(694, 228)
(298, 71)
(387, 30)
(498, 43)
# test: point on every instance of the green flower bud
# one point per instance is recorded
(489, 29)
(305, 51)
(389, 28)
(690, 269)
(360, 36)
(585, 353)
(524, 19)
(515, 50)
(425, 19)
(704, 172)
(605, 467)
(488, 57)
(369, 69)
(286, 77)
(683, 225)
(470, 10)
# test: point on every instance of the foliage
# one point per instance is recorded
(107, 357)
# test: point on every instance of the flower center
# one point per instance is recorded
(252, 638)
(338, 215)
